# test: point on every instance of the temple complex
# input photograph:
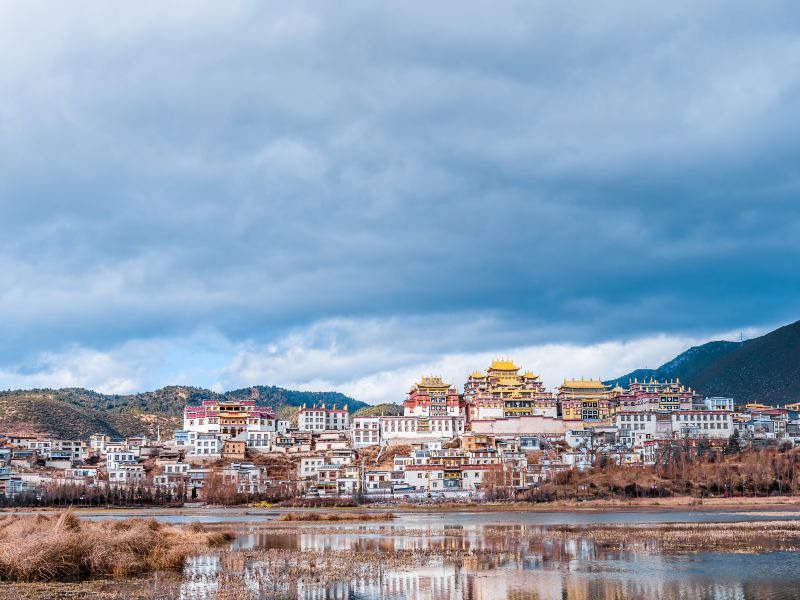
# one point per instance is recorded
(658, 396)
(228, 417)
(432, 397)
(503, 392)
(586, 400)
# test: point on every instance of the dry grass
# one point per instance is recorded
(65, 547)
(387, 458)
(328, 516)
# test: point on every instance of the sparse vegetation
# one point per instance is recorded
(324, 502)
(681, 469)
(338, 516)
(754, 536)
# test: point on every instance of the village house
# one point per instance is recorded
(208, 446)
(126, 474)
(323, 418)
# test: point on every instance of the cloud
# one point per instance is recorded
(370, 360)
(524, 175)
(377, 362)
(77, 367)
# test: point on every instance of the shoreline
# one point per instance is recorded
(671, 504)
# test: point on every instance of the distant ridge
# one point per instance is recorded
(764, 369)
(78, 413)
(380, 410)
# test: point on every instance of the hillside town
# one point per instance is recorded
(505, 431)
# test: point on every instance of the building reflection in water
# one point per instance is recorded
(486, 563)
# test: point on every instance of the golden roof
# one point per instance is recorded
(504, 365)
(477, 375)
(529, 375)
(432, 381)
(584, 384)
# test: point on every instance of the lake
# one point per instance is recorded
(469, 555)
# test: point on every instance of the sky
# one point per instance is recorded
(349, 195)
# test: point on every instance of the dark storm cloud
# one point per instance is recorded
(577, 171)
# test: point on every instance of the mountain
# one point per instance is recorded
(764, 369)
(76, 413)
(684, 366)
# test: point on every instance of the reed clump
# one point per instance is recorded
(64, 547)
(333, 517)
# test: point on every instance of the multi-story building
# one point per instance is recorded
(702, 423)
(126, 474)
(86, 473)
(424, 477)
(197, 477)
(184, 438)
(308, 466)
(432, 397)
(78, 449)
(234, 449)
(503, 392)
(767, 422)
(228, 417)
(421, 428)
(635, 427)
(476, 441)
(369, 431)
(377, 481)
(174, 474)
(365, 431)
(98, 442)
(652, 395)
(207, 446)
(323, 418)
(116, 459)
(260, 441)
(246, 477)
(586, 400)
(54, 449)
(717, 403)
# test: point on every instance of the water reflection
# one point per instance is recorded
(489, 562)
(418, 519)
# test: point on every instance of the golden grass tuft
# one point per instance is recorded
(65, 547)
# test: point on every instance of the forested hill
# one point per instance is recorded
(77, 412)
(764, 369)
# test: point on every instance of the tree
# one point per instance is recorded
(734, 445)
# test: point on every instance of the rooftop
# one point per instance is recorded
(584, 384)
(504, 365)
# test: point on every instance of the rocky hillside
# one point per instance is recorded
(78, 413)
(765, 369)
